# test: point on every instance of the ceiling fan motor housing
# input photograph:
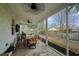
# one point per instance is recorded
(33, 6)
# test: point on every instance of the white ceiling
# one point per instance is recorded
(24, 12)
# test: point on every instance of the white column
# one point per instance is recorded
(37, 29)
(46, 31)
(61, 22)
(67, 34)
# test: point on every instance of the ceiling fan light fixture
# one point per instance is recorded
(28, 21)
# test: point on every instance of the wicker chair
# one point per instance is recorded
(32, 42)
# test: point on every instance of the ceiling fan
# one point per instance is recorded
(34, 8)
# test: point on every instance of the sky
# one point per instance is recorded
(73, 19)
(52, 21)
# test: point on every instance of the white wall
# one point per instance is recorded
(5, 28)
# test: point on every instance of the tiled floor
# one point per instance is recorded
(41, 50)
